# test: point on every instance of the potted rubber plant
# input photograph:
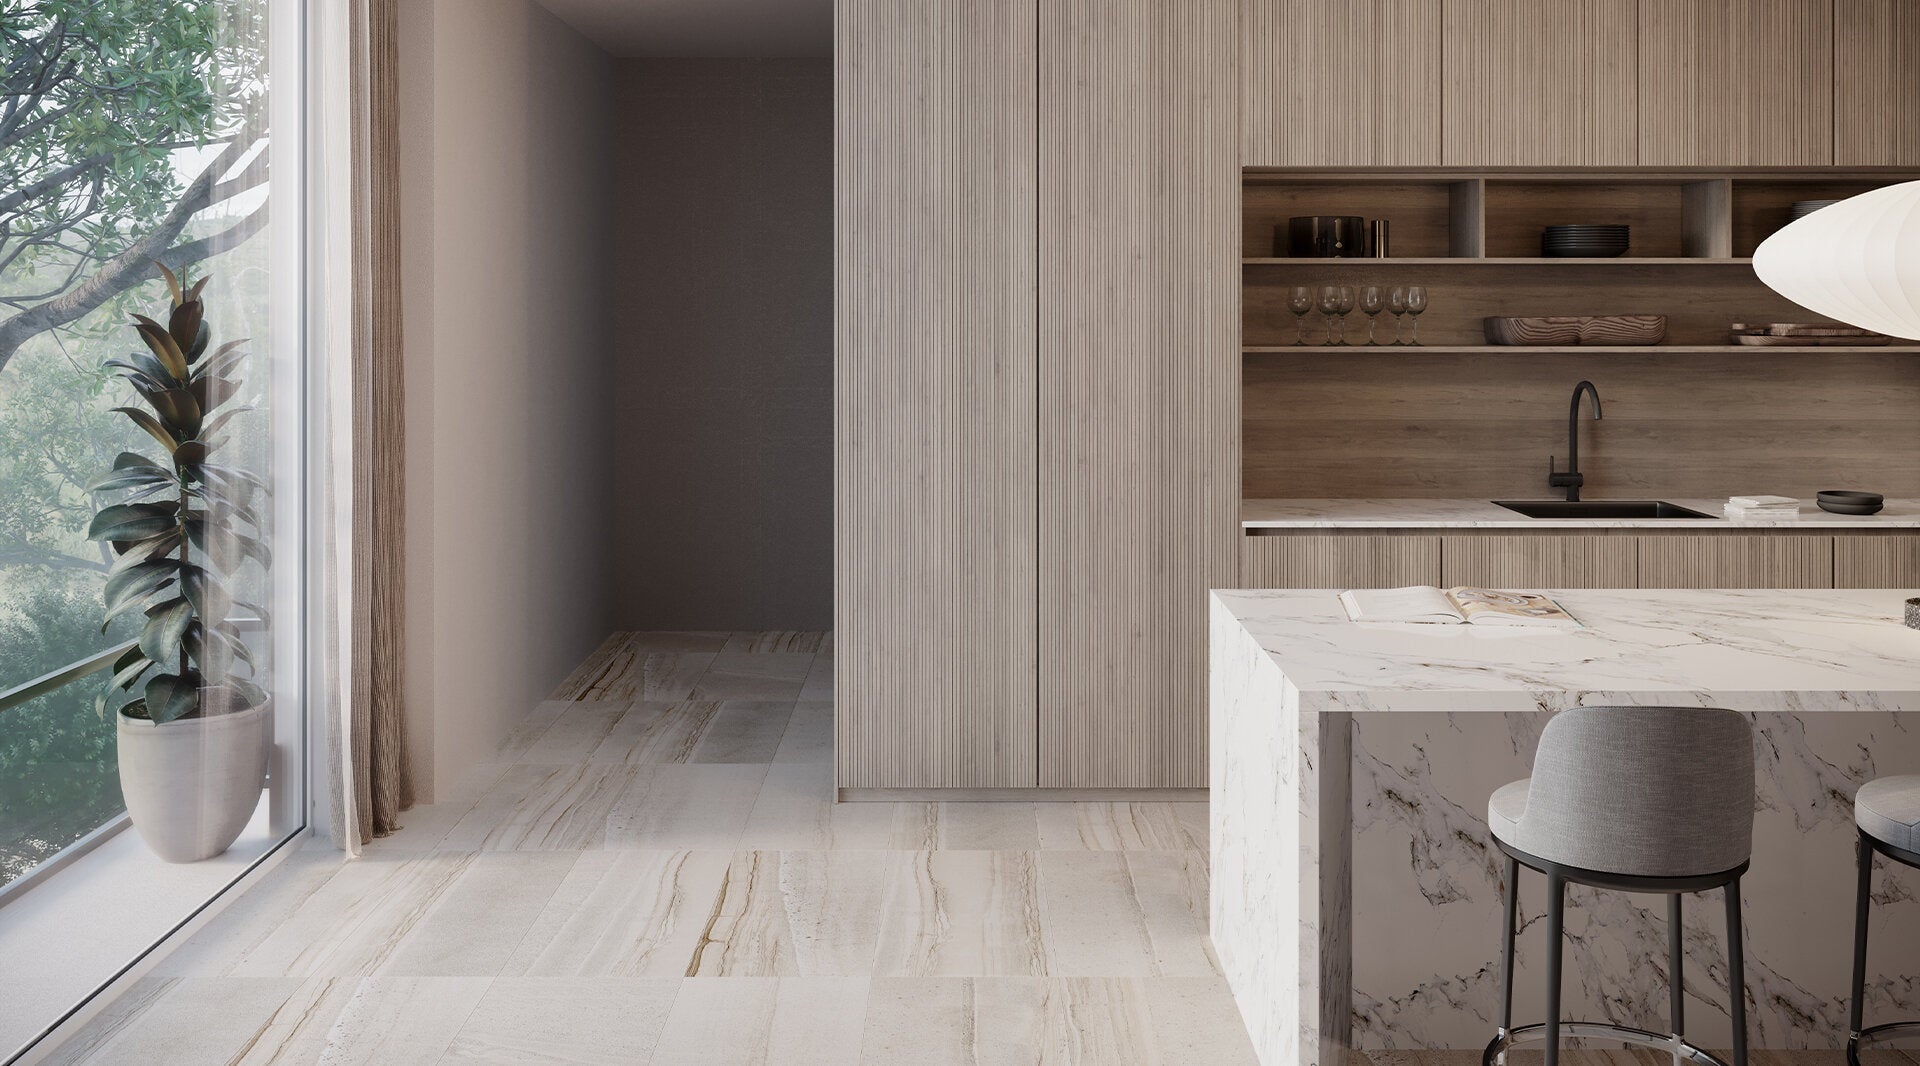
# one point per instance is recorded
(194, 728)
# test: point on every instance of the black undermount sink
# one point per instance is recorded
(1600, 509)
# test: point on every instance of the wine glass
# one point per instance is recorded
(1300, 301)
(1416, 303)
(1397, 303)
(1372, 301)
(1329, 305)
(1344, 305)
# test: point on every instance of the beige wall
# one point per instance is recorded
(723, 314)
(506, 188)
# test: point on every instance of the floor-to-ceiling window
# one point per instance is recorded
(133, 134)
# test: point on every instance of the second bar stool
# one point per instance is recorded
(1638, 799)
(1887, 812)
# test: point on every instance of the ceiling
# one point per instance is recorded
(753, 28)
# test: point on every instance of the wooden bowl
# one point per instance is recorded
(1533, 331)
(1577, 329)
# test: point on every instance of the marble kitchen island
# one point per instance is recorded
(1355, 892)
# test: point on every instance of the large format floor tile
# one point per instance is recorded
(653, 869)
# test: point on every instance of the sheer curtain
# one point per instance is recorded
(360, 417)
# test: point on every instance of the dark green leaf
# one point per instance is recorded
(253, 694)
(213, 424)
(213, 391)
(166, 624)
(135, 583)
(154, 429)
(163, 346)
(209, 598)
(136, 461)
(173, 696)
(185, 323)
(224, 358)
(133, 521)
(139, 551)
(193, 451)
(179, 412)
(135, 477)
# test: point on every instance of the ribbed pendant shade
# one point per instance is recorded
(1857, 261)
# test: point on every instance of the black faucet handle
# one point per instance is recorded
(1569, 479)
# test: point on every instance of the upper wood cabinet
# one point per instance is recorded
(1528, 83)
(1139, 381)
(936, 393)
(1736, 82)
(1340, 82)
(1877, 83)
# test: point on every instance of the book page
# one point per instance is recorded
(1494, 607)
(1415, 603)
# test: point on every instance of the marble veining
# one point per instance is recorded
(1485, 514)
(1349, 787)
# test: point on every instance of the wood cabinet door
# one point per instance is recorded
(1339, 561)
(1736, 561)
(1540, 560)
(1876, 561)
(1340, 83)
(936, 394)
(1876, 93)
(1139, 381)
(1736, 82)
(1528, 83)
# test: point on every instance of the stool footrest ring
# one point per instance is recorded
(1869, 1035)
(1496, 1053)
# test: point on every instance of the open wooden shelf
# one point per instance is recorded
(1577, 349)
(1482, 260)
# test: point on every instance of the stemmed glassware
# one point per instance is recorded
(1416, 303)
(1371, 303)
(1300, 302)
(1329, 306)
(1397, 304)
(1344, 304)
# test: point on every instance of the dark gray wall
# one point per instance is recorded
(723, 344)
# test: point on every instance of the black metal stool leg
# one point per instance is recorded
(1677, 991)
(1556, 902)
(1736, 974)
(1862, 903)
(1506, 946)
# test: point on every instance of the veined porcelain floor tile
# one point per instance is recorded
(788, 640)
(796, 810)
(962, 913)
(249, 920)
(566, 809)
(629, 671)
(826, 643)
(1171, 890)
(478, 923)
(744, 731)
(608, 658)
(679, 641)
(528, 730)
(578, 1021)
(678, 807)
(181, 1020)
(655, 732)
(1125, 914)
(833, 900)
(425, 826)
(763, 1021)
(1002, 1021)
(965, 827)
(576, 729)
(809, 736)
(748, 933)
(737, 675)
(298, 1031)
(351, 925)
(1120, 827)
(388, 1020)
(818, 686)
(1194, 1020)
(624, 914)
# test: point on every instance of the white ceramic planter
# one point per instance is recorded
(192, 785)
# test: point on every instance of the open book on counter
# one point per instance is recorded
(1456, 606)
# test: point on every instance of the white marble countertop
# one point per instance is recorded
(1484, 514)
(1795, 650)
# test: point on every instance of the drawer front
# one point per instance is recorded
(1546, 560)
(1863, 562)
(1736, 561)
(1339, 562)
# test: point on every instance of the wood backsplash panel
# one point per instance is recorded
(1481, 426)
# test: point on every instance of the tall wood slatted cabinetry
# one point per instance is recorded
(1038, 384)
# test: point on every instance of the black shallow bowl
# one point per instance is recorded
(1840, 501)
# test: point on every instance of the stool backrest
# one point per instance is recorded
(1642, 791)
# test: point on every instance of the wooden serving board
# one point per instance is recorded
(1768, 340)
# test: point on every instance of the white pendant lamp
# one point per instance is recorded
(1857, 260)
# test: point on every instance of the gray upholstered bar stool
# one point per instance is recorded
(1886, 810)
(1639, 799)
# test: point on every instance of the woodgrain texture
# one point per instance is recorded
(1884, 562)
(1340, 82)
(1876, 92)
(1736, 82)
(936, 393)
(1339, 561)
(1327, 423)
(1539, 84)
(1540, 560)
(1139, 502)
(1736, 561)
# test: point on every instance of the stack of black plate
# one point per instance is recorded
(1803, 208)
(1840, 502)
(1583, 242)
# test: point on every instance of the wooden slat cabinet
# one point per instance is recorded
(1340, 82)
(1340, 561)
(1736, 561)
(1139, 381)
(936, 394)
(1876, 561)
(1736, 82)
(1528, 83)
(1876, 101)
(1540, 560)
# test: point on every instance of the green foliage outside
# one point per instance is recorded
(130, 131)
